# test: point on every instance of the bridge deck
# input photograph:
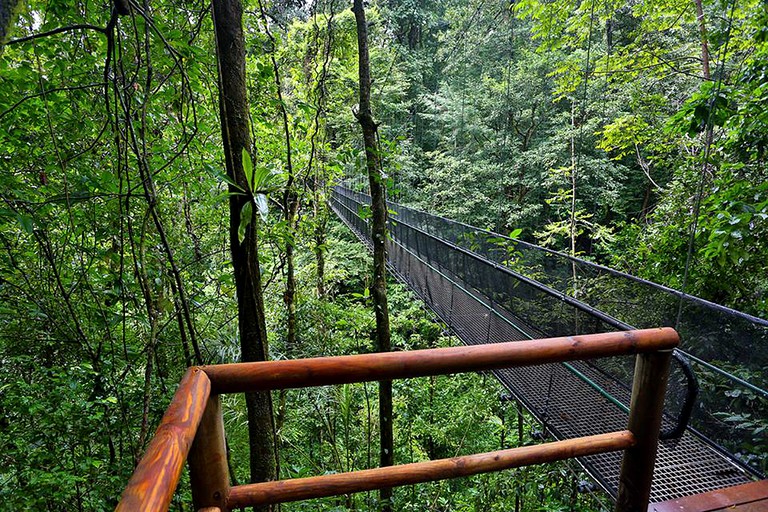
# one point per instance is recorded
(569, 400)
(751, 497)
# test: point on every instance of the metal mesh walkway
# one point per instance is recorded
(482, 301)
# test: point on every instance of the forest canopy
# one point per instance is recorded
(632, 134)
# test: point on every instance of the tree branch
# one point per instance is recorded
(70, 28)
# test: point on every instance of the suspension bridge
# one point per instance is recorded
(541, 322)
(488, 288)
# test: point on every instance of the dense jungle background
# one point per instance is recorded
(630, 133)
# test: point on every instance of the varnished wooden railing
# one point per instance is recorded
(192, 428)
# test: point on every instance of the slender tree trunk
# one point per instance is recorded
(8, 13)
(710, 131)
(320, 214)
(646, 203)
(703, 40)
(572, 227)
(574, 164)
(319, 182)
(233, 104)
(290, 198)
(379, 237)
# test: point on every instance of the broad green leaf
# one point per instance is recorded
(364, 211)
(229, 181)
(248, 169)
(245, 219)
(27, 223)
(262, 178)
(261, 205)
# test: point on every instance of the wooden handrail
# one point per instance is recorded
(366, 480)
(155, 479)
(196, 404)
(322, 371)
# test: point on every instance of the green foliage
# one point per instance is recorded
(706, 107)
(45, 413)
(113, 270)
(744, 430)
(334, 429)
(89, 303)
(730, 226)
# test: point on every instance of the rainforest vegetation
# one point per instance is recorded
(158, 211)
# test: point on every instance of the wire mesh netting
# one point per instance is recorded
(489, 288)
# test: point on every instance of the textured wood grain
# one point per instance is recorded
(366, 480)
(155, 479)
(739, 498)
(645, 413)
(208, 470)
(235, 378)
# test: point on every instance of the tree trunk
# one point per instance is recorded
(290, 198)
(8, 14)
(709, 132)
(703, 40)
(320, 215)
(379, 237)
(233, 104)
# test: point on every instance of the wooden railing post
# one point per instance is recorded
(208, 470)
(646, 408)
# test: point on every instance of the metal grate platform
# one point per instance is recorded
(558, 395)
